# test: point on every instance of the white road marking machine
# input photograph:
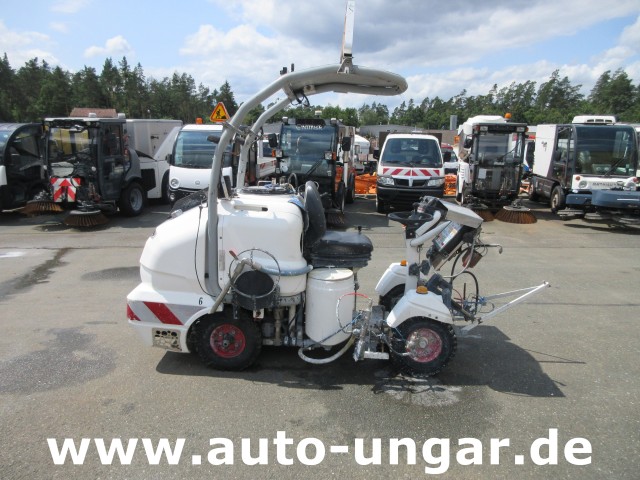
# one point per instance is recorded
(256, 265)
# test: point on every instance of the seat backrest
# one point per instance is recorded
(315, 212)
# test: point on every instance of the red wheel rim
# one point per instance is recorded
(227, 341)
(424, 345)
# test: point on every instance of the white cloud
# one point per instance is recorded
(114, 46)
(59, 27)
(69, 6)
(23, 46)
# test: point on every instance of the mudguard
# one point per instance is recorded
(414, 304)
(394, 275)
(464, 176)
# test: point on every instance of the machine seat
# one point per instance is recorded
(341, 249)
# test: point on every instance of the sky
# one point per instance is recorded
(440, 47)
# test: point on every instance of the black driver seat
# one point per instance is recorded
(331, 248)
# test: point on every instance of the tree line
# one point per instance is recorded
(37, 90)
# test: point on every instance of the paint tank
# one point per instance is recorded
(325, 288)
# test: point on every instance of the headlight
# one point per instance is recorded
(175, 183)
(385, 180)
(436, 182)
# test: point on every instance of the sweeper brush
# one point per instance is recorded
(516, 213)
(85, 219)
(483, 212)
(40, 207)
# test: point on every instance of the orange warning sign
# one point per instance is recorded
(219, 113)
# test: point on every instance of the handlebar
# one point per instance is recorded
(410, 219)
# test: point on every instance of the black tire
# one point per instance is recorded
(164, 194)
(380, 206)
(351, 191)
(533, 195)
(132, 200)
(393, 296)
(557, 199)
(228, 343)
(430, 345)
(340, 198)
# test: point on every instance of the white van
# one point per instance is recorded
(191, 160)
(409, 167)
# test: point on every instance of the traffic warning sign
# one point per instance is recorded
(219, 113)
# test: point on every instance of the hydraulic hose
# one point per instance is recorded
(322, 361)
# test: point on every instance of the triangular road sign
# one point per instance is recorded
(219, 113)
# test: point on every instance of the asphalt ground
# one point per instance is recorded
(562, 367)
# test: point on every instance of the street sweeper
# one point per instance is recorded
(490, 150)
(319, 150)
(588, 169)
(255, 265)
(23, 172)
(94, 168)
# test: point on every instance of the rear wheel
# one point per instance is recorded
(533, 195)
(228, 343)
(132, 200)
(429, 345)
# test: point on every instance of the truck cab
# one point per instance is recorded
(573, 161)
(23, 172)
(315, 149)
(190, 161)
(491, 153)
(410, 166)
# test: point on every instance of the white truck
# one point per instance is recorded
(410, 166)
(490, 152)
(588, 169)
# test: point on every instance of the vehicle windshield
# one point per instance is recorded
(193, 150)
(70, 149)
(606, 150)
(23, 149)
(499, 147)
(412, 152)
(305, 146)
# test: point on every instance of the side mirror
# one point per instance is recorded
(376, 154)
(273, 140)
(213, 139)
(468, 142)
(169, 158)
(446, 156)
(346, 144)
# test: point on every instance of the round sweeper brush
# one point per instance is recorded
(40, 207)
(483, 212)
(516, 213)
(85, 219)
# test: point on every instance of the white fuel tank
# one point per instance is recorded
(325, 287)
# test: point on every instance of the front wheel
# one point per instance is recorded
(228, 343)
(380, 206)
(424, 346)
(557, 199)
(351, 191)
(132, 200)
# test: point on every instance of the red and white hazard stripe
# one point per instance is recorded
(161, 313)
(411, 172)
(65, 188)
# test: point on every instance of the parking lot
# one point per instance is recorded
(565, 363)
